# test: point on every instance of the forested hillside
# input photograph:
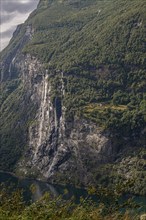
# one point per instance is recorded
(101, 47)
(94, 54)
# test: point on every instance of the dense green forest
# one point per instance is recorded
(100, 48)
(48, 207)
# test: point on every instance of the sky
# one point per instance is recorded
(12, 13)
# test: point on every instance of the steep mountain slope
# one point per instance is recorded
(73, 85)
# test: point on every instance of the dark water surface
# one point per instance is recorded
(41, 187)
(56, 190)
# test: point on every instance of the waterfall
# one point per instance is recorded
(10, 67)
(42, 113)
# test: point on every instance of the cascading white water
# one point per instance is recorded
(62, 118)
(43, 109)
(42, 114)
(10, 67)
(55, 116)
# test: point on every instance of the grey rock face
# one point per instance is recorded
(55, 145)
(56, 148)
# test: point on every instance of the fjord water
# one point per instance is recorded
(66, 191)
(41, 187)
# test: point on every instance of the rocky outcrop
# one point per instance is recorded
(56, 146)
(143, 217)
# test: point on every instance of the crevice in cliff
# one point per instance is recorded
(57, 111)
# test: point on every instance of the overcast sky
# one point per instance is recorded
(12, 13)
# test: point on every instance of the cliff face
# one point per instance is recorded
(8, 63)
(55, 145)
(73, 92)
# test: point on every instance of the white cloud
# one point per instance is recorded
(13, 12)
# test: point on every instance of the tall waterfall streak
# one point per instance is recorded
(10, 67)
(62, 120)
(42, 113)
(62, 90)
(44, 96)
(49, 172)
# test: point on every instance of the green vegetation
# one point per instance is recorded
(14, 121)
(119, 119)
(100, 48)
(130, 166)
(13, 206)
